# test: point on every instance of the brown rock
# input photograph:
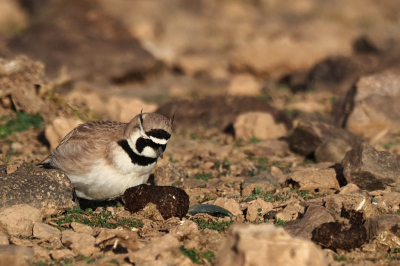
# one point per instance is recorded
(373, 104)
(82, 228)
(168, 174)
(94, 44)
(229, 204)
(267, 245)
(18, 220)
(78, 242)
(310, 137)
(383, 231)
(270, 147)
(48, 190)
(218, 112)
(265, 181)
(338, 74)
(3, 239)
(313, 177)
(258, 125)
(46, 232)
(370, 169)
(257, 209)
(15, 255)
(290, 212)
(389, 202)
(170, 201)
(18, 78)
(153, 249)
(41, 253)
(244, 85)
(127, 238)
(189, 228)
(356, 206)
(62, 254)
(59, 128)
(313, 218)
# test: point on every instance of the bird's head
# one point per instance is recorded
(148, 134)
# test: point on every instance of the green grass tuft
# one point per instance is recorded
(103, 219)
(219, 226)
(196, 256)
(22, 122)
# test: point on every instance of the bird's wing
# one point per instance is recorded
(84, 145)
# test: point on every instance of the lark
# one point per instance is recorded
(103, 159)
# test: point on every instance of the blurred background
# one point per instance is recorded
(206, 60)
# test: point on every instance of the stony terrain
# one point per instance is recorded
(286, 134)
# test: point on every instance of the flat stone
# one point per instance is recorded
(153, 249)
(47, 190)
(47, 233)
(315, 177)
(265, 181)
(314, 217)
(78, 242)
(82, 228)
(18, 220)
(370, 169)
(229, 204)
(62, 254)
(325, 142)
(266, 244)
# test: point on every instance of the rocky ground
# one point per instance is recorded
(286, 134)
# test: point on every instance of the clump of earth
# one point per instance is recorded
(285, 148)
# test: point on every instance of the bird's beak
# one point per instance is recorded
(160, 152)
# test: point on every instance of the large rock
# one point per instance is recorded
(258, 125)
(370, 169)
(371, 106)
(218, 112)
(48, 190)
(87, 41)
(338, 74)
(327, 143)
(315, 177)
(79, 242)
(267, 245)
(18, 220)
(244, 84)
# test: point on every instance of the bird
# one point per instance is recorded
(104, 158)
